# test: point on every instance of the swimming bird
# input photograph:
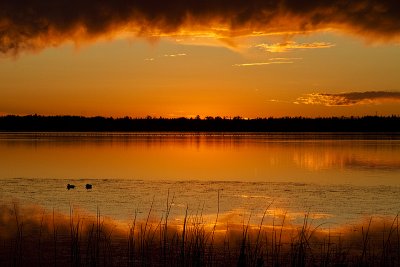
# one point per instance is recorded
(70, 186)
(88, 186)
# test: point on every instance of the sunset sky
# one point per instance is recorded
(210, 58)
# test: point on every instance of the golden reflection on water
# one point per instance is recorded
(331, 159)
(343, 155)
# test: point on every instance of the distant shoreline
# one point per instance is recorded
(37, 123)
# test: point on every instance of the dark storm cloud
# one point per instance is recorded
(34, 24)
(349, 99)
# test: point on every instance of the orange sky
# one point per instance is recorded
(230, 66)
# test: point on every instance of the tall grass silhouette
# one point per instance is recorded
(32, 236)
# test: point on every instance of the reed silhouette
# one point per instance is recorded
(32, 236)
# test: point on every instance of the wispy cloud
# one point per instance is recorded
(277, 101)
(175, 55)
(289, 46)
(167, 56)
(285, 58)
(349, 99)
(271, 61)
(261, 63)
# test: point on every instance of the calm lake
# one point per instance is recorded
(335, 178)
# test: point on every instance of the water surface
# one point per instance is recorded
(337, 178)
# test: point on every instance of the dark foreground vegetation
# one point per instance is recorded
(34, 237)
(208, 124)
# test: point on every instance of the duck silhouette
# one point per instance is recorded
(88, 186)
(70, 186)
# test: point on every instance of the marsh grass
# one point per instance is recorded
(34, 237)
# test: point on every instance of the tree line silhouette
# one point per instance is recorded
(197, 124)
